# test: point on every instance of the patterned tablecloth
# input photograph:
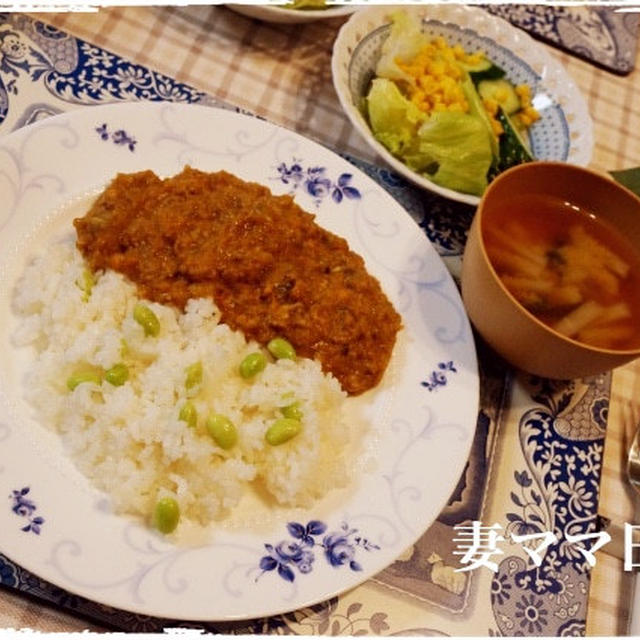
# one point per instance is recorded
(538, 459)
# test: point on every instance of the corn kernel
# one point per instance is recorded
(435, 76)
(497, 127)
(525, 119)
(532, 114)
(491, 106)
(438, 68)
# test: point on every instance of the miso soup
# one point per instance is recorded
(568, 267)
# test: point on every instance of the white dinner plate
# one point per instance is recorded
(421, 417)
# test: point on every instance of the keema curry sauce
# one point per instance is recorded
(270, 269)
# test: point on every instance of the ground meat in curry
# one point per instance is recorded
(270, 269)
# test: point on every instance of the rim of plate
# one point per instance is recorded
(282, 15)
(194, 119)
(485, 26)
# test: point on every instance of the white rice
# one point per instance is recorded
(128, 439)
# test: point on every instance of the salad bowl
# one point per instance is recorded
(563, 132)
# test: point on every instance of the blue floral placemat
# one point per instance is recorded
(598, 34)
(554, 470)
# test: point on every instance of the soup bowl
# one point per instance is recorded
(506, 325)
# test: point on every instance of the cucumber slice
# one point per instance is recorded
(481, 66)
(514, 149)
(477, 109)
(502, 91)
(493, 72)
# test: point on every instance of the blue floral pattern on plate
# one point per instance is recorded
(118, 137)
(339, 549)
(26, 508)
(315, 182)
(438, 377)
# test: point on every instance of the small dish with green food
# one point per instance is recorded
(294, 11)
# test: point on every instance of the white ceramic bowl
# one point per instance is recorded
(563, 133)
(281, 15)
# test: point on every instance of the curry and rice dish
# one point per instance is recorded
(206, 342)
(270, 269)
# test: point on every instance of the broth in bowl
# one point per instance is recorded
(571, 268)
(551, 270)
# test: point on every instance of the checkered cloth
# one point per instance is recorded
(283, 72)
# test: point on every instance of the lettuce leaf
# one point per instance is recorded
(452, 149)
(394, 120)
(459, 143)
(404, 42)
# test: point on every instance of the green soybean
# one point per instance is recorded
(117, 375)
(86, 284)
(282, 430)
(281, 348)
(166, 515)
(86, 375)
(292, 411)
(193, 375)
(189, 414)
(253, 364)
(222, 430)
(148, 320)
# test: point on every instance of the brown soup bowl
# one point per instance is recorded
(510, 329)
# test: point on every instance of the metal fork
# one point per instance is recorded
(633, 457)
(630, 426)
(633, 475)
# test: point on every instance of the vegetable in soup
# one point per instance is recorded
(569, 267)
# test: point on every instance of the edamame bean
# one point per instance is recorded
(189, 414)
(117, 375)
(282, 430)
(86, 283)
(281, 348)
(87, 375)
(222, 430)
(148, 320)
(253, 364)
(292, 411)
(166, 514)
(194, 375)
